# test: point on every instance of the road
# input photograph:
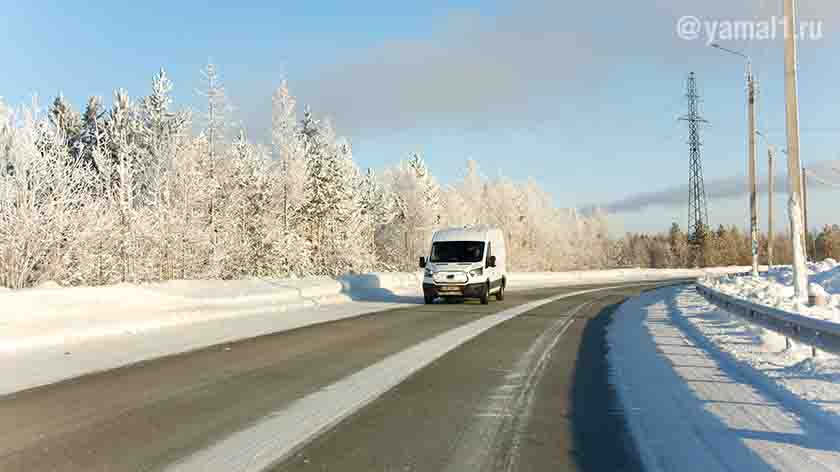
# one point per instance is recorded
(531, 393)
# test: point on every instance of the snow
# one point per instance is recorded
(775, 289)
(49, 315)
(705, 391)
(107, 327)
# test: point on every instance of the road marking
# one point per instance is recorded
(496, 433)
(281, 434)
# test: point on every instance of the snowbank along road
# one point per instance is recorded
(704, 391)
(516, 385)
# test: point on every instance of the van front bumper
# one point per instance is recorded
(455, 290)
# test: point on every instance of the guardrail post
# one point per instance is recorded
(814, 344)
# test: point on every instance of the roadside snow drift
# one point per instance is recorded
(51, 315)
(704, 391)
(51, 333)
(775, 289)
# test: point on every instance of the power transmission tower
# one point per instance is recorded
(698, 213)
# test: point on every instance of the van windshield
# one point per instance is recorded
(457, 251)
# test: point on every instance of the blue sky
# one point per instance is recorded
(583, 98)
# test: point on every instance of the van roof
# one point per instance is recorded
(464, 233)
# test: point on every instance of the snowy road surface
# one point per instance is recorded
(529, 392)
(694, 406)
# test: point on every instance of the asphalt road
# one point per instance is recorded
(529, 394)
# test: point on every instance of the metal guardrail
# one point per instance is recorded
(820, 335)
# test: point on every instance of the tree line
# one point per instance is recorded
(725, 246)
(141, 191)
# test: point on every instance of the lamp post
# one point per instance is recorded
(752, 92)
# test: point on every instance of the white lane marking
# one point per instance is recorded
(505, 413)
(280, 434)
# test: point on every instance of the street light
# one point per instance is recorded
(752, 152)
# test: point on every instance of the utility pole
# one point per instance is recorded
(752, 92)
(800, 278)
(807, 244)
(771, 177)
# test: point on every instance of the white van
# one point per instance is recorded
(468, 262)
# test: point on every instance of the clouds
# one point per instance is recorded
(476, 71)
(516, 68)
(829, 171)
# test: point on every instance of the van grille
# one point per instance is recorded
(450, 277)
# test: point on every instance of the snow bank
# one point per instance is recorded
(775, 289)
(49, 315)
(50, 333)
(46, 316)
(810, 384)
(704, 391)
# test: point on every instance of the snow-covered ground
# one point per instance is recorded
(775, 289)
(51, 315)
(50, 333)
(704, 390)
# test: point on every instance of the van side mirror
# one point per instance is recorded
(422, 262)
(491, 261)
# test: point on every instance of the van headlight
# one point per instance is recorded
(477, 272)
(428, 272)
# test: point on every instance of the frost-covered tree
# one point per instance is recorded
(91, 133)
(66, 121)
(40, 198)
(163, 138)
(417, 213)
(678, 241)
(290, 169)
(472, 190)
(5, 137)
(328, 206)
(376, 210)
(214, 132)
(217, 106)
(123, 166)
(161, 128)
(131, 193)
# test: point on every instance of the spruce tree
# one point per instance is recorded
(66, 120)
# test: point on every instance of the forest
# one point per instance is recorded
(144, 191)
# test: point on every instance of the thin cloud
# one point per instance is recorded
(829, 171)
(515, 68)
(477, 71)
